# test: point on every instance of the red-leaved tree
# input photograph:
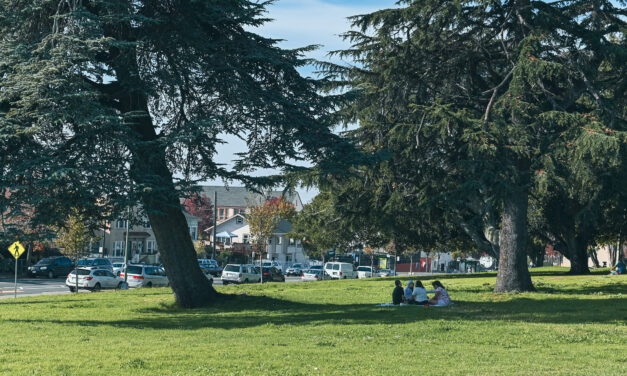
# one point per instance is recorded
(200, 206)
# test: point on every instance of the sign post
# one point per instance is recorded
(16, 249)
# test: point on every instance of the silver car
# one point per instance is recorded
(387, 273)
(146, 276)
(93, 279)
(236, 273)
(314, 275)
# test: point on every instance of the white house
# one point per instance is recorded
(234, 234)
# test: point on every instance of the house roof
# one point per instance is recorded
(189, 216)
(244, 223)
(241, 196)
(284, 227)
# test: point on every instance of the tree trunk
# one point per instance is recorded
(539, 259)
(577, 255)
(162, 204)
(29, 254)
(150, 172)
(617, 252)
(513, 273)
(595, 258)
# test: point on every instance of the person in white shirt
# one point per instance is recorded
(419, 295)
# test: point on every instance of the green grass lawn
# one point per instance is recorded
(571, 326)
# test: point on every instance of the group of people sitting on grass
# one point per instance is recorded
(417, 294)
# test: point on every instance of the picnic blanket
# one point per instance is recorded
(413, 305)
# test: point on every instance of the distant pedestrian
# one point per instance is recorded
(397, 296)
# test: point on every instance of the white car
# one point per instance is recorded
(366, 272)
(387, 273)
(236, 273)
(118, 268)
(340, 270)
(146, 276)
(314, 275)
(93, 279)
(296, 269)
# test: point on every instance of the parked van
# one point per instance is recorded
(340, 270)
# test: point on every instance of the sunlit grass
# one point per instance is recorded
(571, 326)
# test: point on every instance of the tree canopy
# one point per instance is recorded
(478, 103)
(109, 103)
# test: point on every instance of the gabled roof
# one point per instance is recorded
(242, 197)
(244, 223)
(284, 227)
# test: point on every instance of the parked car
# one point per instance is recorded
(273, 274)
(146, 276)
(316, 267)
(314, 275)
(296, 269)
(210, 266)
(387, 273)
(93, 279)
(118, 268)
(340, 270)
(52, 267)
(270, 264)
(367, 272)
(237, 273)
(96, 263)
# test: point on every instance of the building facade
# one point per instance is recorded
(142, 243)
(234, 200)
(233, 234)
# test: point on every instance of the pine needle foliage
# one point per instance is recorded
(479, 103)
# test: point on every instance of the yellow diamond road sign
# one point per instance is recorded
(16, 249)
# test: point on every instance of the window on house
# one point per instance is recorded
(269, 240)
(193, 231)
(147, 224)
(151, 247)
(292, 241)
(118, 248)
(280, 240)
(120, 223)
(221, 213)
(238, 220)
(246, 239)
(242, 211)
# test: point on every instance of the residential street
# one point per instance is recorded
(43, 286)
(32, 287)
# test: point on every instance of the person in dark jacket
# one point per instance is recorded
(398, 295)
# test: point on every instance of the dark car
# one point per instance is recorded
(52, 267)
(96, 263)
(273, 275)
(210, 267)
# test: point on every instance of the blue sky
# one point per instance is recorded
(301, 23)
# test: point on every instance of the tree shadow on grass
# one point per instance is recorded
(606, 289)
(252, 311)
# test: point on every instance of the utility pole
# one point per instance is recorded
(128, 217)
(215, 222)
